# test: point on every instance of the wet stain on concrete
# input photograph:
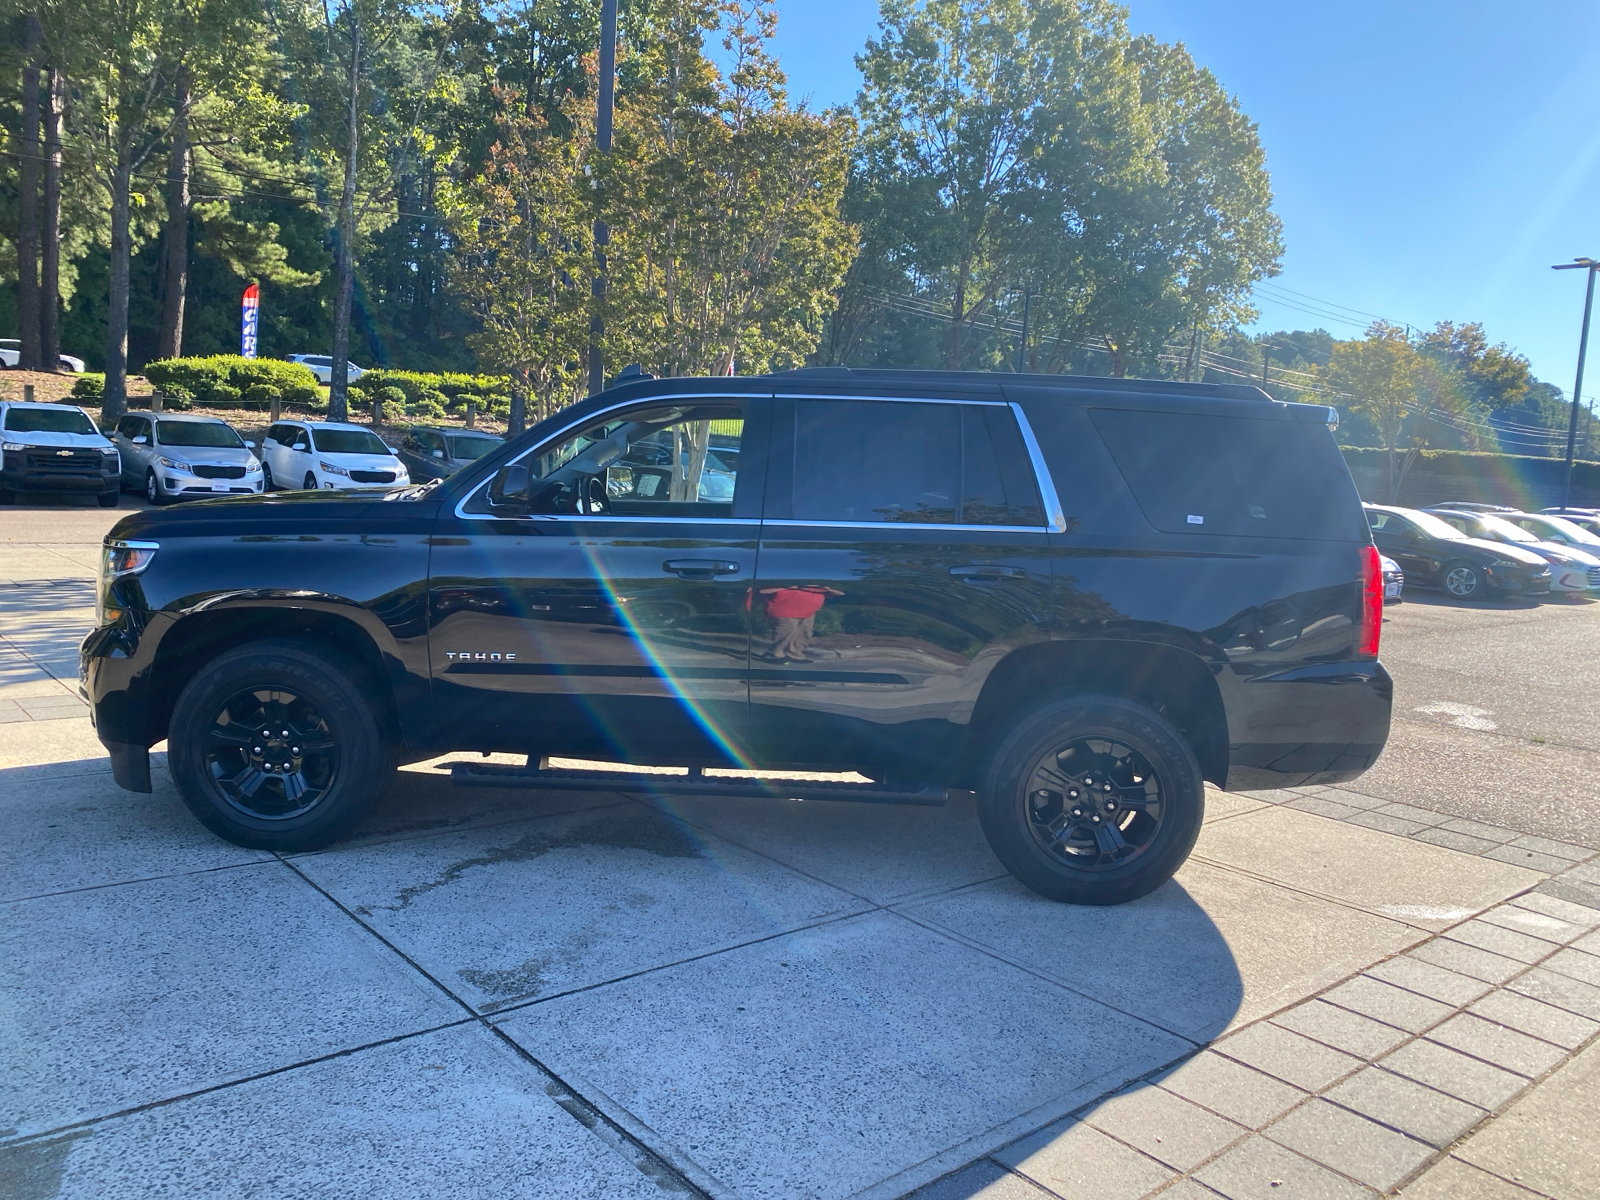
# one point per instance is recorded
(34, 1170)
(616, 829)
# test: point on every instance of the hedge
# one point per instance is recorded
(233, 381)
(431, 394)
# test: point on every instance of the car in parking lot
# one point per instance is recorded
(321, 366)
(1563, 530)
(1394, 579)
(1434, 553)
(1572, 572)
(313, 455)
(169, 456)
(11, 355)
(48, 447)
(432, 452)
(1079, 598)
(1584, 518)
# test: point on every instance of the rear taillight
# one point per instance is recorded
(1371, 603)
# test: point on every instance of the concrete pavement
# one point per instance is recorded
(498, 994)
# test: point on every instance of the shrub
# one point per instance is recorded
(465, 398)
(89, 386)
(446, 389)
(259, 396)
(302, 395)
(225, 378)
(176, 399)
(426, 408)
(391, 395)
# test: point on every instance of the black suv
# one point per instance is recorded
(1080, 598)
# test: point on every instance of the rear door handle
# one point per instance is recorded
(987, 573)
(700, 568)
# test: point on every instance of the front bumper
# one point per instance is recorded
(22, 472)
(1319, 723)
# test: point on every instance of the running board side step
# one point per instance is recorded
(470, 774)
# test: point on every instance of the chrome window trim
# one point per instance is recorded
(1041, 473)
(789, 523)
(581, 421)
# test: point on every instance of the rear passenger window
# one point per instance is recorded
(1193, 473)
(911, 462)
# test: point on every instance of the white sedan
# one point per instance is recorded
(11, 355)
(315, 455)
(322, 367)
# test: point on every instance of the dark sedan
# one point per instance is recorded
(432, 453)
(1433, 553)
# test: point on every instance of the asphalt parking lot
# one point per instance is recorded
(1347, 991)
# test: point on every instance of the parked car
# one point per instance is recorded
(438, 453)
(322, 367)
(1080, 598)
(1572, 572)
(311, 455)
(55, 448)
(1474, 506)
(1394, 579)
(11, 355)
(1434, 553)
(1550, 528)
(171, 457)
(1583, 518)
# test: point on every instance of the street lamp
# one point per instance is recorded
(1590, 265)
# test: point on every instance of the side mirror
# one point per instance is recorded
(391, 449)
(509, 489)
(249, 445)
(140, 440)
(438, 453)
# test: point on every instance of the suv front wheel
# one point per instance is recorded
(275, 746)
(1092, 800)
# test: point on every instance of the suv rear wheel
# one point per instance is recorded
(274, 746)
(1092, 800)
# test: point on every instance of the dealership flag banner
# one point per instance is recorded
(248, 321)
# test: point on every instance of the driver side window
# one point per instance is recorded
(678, 460)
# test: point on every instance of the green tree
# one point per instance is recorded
(1388, 383)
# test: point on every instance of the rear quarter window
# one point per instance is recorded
(1236, 476)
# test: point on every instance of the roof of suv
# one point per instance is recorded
(198, 418)
(893, 377)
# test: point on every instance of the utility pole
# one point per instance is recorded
(1022, 346)
(1591, 266)
(602, 233)
(1266, 350)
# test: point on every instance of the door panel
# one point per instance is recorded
(908, 613)
(613, 619)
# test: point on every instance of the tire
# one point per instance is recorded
(1155, 820)
(152, 489)
(1463, 581)
(266, 477)
(335, 763)
(110, 499)
(311, 482)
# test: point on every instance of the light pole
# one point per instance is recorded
(605, 102)
(1590, 265)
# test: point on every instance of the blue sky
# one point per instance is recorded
(1430, 160)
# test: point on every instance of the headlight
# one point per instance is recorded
(109, 451)
(118, 560)
(176, 465)
(333, 470)
(12, 446)
(254, 468)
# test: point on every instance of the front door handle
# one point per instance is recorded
(700, 568)
(987, 573)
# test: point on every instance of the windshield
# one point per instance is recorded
(197, 433)
(1434, 527)
(48, 420)
(1565, 527)
(1504, 529)
(348, 441)
(472, 448)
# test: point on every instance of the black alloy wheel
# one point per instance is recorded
(277, 746)
(1091, 799)
(270, 753)
(1094, 803)
(1463, 581)
(266, 476)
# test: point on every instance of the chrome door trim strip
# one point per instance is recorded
(1041, 473)
(788, 523)
(888, 399)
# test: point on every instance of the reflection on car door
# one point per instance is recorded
(903, 554)
(618, 626)
(1402, 541)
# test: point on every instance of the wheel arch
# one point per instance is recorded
(1175, 682)
(199, 637)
